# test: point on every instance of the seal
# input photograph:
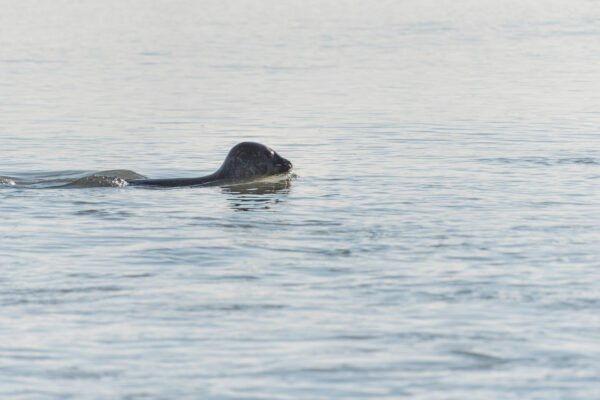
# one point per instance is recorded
(245, 161)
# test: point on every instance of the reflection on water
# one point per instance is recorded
(258, 195)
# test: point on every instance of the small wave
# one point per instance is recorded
(108, 178)
(547, 161)
(591, 161)
(4, 180)
(97, 181)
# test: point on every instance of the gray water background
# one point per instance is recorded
(440, 238)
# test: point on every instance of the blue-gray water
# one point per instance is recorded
(440, 238)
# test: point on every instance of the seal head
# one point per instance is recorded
(250, 160)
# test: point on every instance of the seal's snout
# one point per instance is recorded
(281, 164)
(285, 165)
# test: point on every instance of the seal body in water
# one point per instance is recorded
(245, 161)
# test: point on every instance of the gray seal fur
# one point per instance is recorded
(245, 161)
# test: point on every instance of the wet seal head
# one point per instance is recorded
(249, 160)
(246, 161)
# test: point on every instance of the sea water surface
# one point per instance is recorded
(440, 237)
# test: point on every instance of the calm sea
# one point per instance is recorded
(440, 238)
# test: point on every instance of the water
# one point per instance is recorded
(439, 240)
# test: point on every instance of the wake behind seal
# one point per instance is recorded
(246, 161)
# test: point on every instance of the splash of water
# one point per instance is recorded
(6, 181)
